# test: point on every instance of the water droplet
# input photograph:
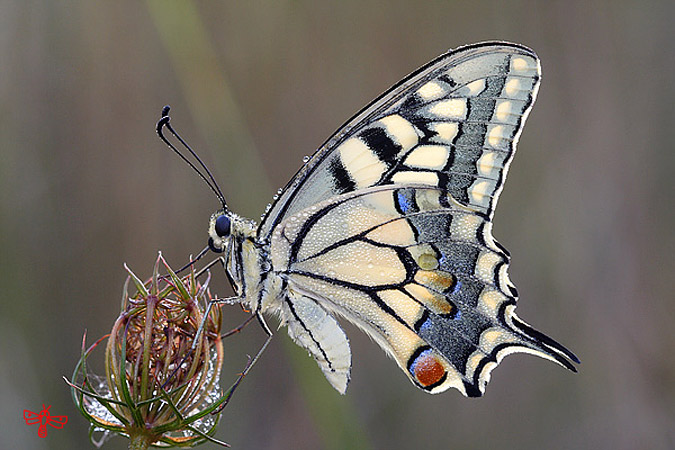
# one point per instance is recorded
(305, 159)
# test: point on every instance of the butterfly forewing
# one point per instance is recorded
(453, 123)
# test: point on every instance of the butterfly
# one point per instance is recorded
(389, 226)
(44, 418)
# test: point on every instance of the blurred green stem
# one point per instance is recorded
(208, 95)
(138, 442)
(336, 421)
(212, 104)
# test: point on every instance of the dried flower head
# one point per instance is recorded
(162, 372)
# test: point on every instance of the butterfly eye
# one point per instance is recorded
(223, 226)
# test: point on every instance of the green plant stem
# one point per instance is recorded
(139, 441)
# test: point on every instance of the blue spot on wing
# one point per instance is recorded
(403, 203)
(458, 286)
(425, 326)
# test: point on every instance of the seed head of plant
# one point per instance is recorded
(162, 369)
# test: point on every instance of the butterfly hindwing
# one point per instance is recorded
(418, 272)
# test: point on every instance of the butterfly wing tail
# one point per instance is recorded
(545, 346)
(497, 342)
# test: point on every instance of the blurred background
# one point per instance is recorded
(587, 213)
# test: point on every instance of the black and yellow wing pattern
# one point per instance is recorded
(389, 225)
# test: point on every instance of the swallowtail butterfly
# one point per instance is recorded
(389, 225)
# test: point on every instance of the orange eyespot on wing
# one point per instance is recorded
(427, 368)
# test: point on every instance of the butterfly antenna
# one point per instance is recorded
(210, 181)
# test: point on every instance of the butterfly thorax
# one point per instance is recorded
(247, 261)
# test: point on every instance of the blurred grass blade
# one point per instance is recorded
(215, 111)
(209, 98)
(335, 418)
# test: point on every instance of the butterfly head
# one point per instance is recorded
(220, 230)
(235, 237)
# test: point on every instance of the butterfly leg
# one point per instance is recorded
(206, 268)
(200, 330)
(249, 365)
(267, 330)
(195, 259)
(209, 307)
(218, 301)
(238, 328)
